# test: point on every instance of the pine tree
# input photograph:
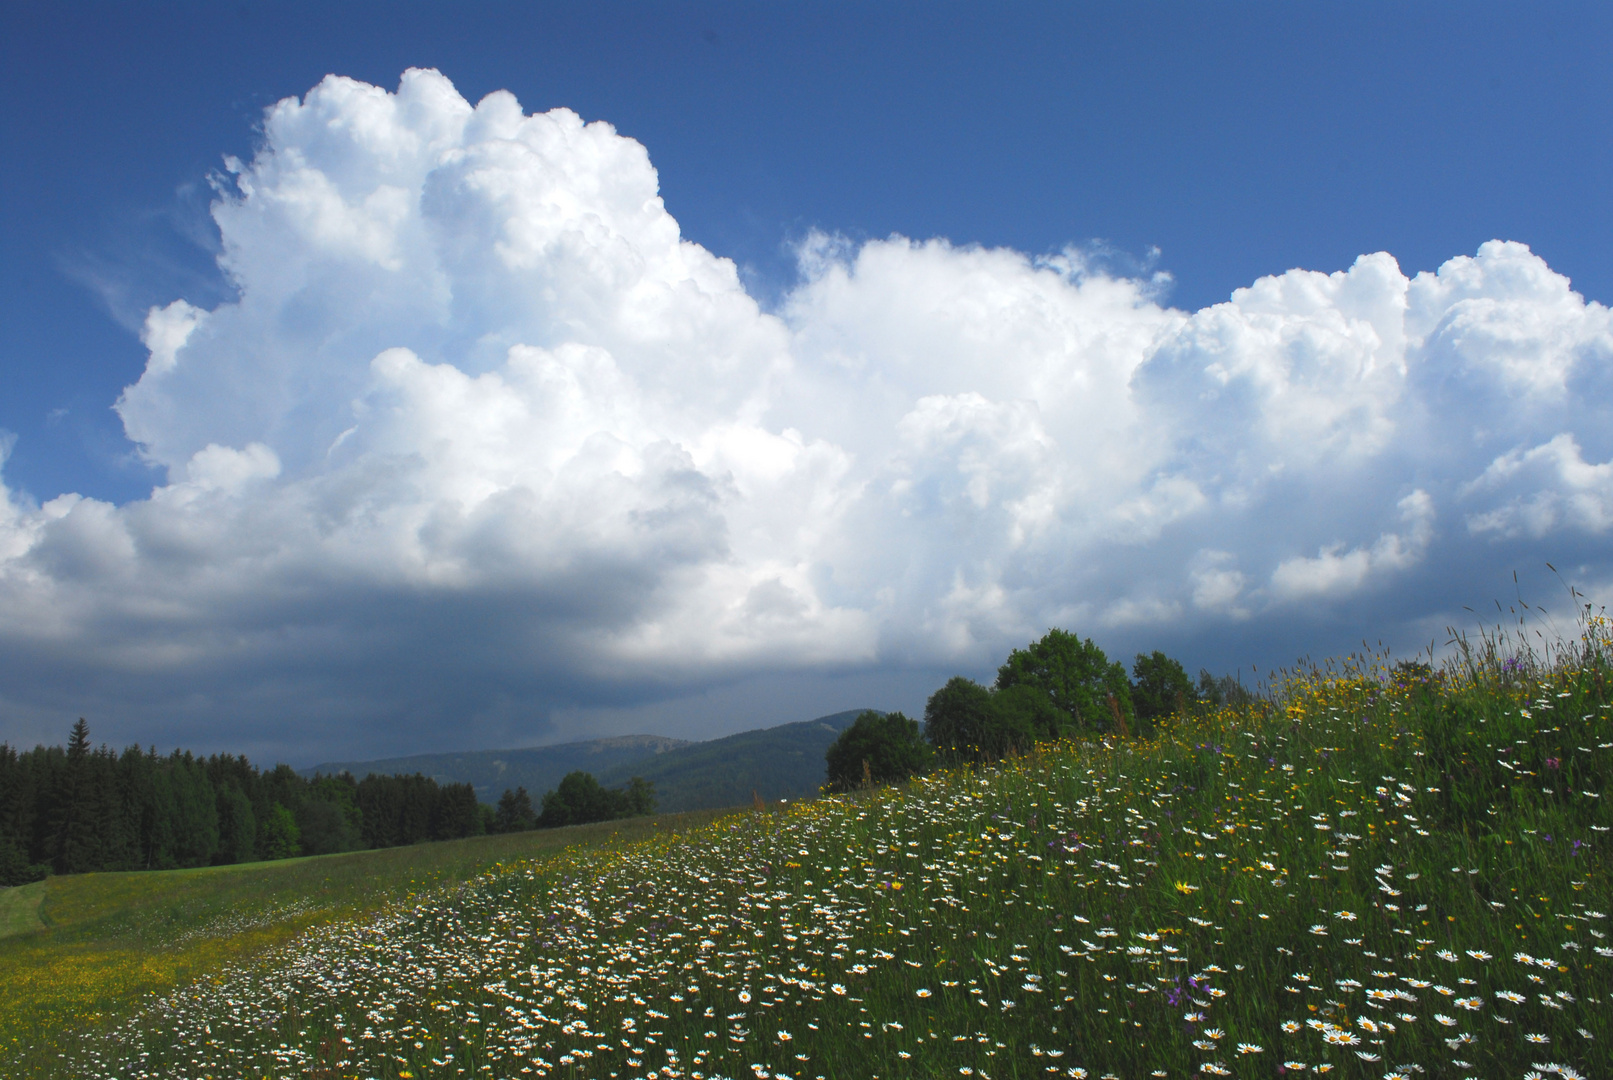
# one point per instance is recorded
(514, 812)
(76, 837)
(78, 743)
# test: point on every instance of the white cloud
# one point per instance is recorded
(1292, 371)
(1217, 583)
(1548, 489)
(1335, 574)
(481, 428)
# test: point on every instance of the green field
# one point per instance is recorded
(82, 953)
(1377, 873)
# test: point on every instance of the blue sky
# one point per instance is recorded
(1217, 144)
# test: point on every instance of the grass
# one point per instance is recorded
(1368, 875)
(19, 909)
(81, 953)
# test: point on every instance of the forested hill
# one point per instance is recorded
(538, 769)
(784, 762)
(81, 808)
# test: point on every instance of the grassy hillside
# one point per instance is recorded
(784, 762)
(538, 769)
(83, 951)
(1373, 875)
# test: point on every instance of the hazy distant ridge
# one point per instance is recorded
(536, 768)
(784, 762)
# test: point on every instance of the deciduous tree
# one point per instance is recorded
(1077, 676)
(877, 748)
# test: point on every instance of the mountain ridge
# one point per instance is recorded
(780, 762)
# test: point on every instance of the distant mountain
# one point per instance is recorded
(784, 762)
(538, 769)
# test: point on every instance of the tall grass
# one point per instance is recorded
(1373, 873)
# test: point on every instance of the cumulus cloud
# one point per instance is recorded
(1332, 574)
(1545, 489)
(482, 437)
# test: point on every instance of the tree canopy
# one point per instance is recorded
(1077, 677)
(81, 808)
(962, 720)
(877, 748)
(514, 812)
(580, 799)
(1160, 687)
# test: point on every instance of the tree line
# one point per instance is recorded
(578, 800)
(1059, 687)
(78, 808)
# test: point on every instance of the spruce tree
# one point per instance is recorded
(514, 813)
(76, 836)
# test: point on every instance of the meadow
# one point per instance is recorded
(83, 953)
(1375, 872)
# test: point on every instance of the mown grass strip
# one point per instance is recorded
(19, 909)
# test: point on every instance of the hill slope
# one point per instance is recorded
(1382, 877)
(538, 768)
(784, 762)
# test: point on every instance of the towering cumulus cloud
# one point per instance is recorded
(484, 435)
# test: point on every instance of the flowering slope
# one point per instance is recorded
(1378, 876)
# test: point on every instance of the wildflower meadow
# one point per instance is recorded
(1374, 872)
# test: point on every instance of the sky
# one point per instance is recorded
(378, 379)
